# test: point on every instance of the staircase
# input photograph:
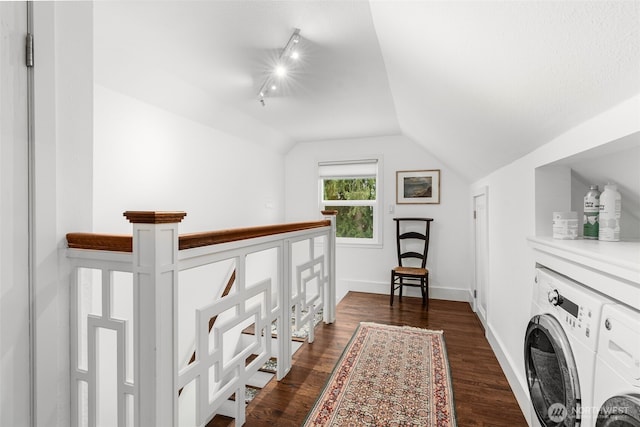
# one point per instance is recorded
(132, 363)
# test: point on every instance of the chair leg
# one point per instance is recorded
(426, 291)
(401, 287)
(393, 278)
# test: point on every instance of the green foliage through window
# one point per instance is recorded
(354, 220)
(350, 189)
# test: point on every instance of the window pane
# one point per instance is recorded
(350, 189)
(354, 221)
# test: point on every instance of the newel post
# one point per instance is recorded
(155, 280)
(329, 313)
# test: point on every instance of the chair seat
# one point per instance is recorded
(411, 271)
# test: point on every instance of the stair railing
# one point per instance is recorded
(138, 315)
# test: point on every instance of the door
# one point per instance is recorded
(15, 378)
(551, 372)
(481, 252)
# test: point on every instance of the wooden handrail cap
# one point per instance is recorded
(100, 242)
(154, 217)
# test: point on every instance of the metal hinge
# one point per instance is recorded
(474, 214)
(475, 293)
(29, 50)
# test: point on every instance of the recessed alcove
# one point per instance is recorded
(561, 186)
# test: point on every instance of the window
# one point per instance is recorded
(351, 188)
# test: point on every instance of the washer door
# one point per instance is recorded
(620, 411)
(552, 375)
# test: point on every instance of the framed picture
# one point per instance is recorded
(414, 187)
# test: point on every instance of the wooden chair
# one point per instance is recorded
(413, 247)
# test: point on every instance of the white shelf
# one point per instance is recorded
(619, 259)
(611, 268)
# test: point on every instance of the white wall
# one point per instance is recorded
(146, 158)
(511, 220)
(368, 269)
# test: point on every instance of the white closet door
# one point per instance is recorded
(14, 217)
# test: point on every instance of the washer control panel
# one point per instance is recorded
(575, 306)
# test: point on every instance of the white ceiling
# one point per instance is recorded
(477, 83)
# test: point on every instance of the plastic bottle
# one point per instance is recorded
(610, 209)
(591, 212)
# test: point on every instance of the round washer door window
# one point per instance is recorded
(552, 376)
(620, 411)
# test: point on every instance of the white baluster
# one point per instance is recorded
(283, 336)
(329, 313)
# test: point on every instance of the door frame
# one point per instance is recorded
(480, 192)
(31, 212)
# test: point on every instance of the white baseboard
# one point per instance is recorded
(451, 294)
(518, 385)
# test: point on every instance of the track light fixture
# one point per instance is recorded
(286, 61)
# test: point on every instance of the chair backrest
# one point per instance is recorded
(415, 234)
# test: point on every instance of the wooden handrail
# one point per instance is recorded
(124, 243)
(100, 242)
(195, 240)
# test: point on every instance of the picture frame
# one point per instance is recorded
(418, 187)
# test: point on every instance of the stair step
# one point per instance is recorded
(259, 379)
(296, 334)
(250, 393)
(271, 366)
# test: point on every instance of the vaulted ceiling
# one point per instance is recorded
(477, 83)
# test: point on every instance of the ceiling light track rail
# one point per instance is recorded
(287, 60)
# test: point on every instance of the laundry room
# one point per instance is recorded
(586, 289)
(585, 293)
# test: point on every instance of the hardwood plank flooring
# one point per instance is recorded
(481, 392)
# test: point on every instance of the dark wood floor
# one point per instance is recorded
(482, 395)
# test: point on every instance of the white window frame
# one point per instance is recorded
(359, 168)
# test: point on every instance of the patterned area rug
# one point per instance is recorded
(388, 376)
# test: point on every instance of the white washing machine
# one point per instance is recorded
(616, 392)
(560, 350)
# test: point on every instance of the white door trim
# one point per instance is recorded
(483, 221)
(31, 222)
